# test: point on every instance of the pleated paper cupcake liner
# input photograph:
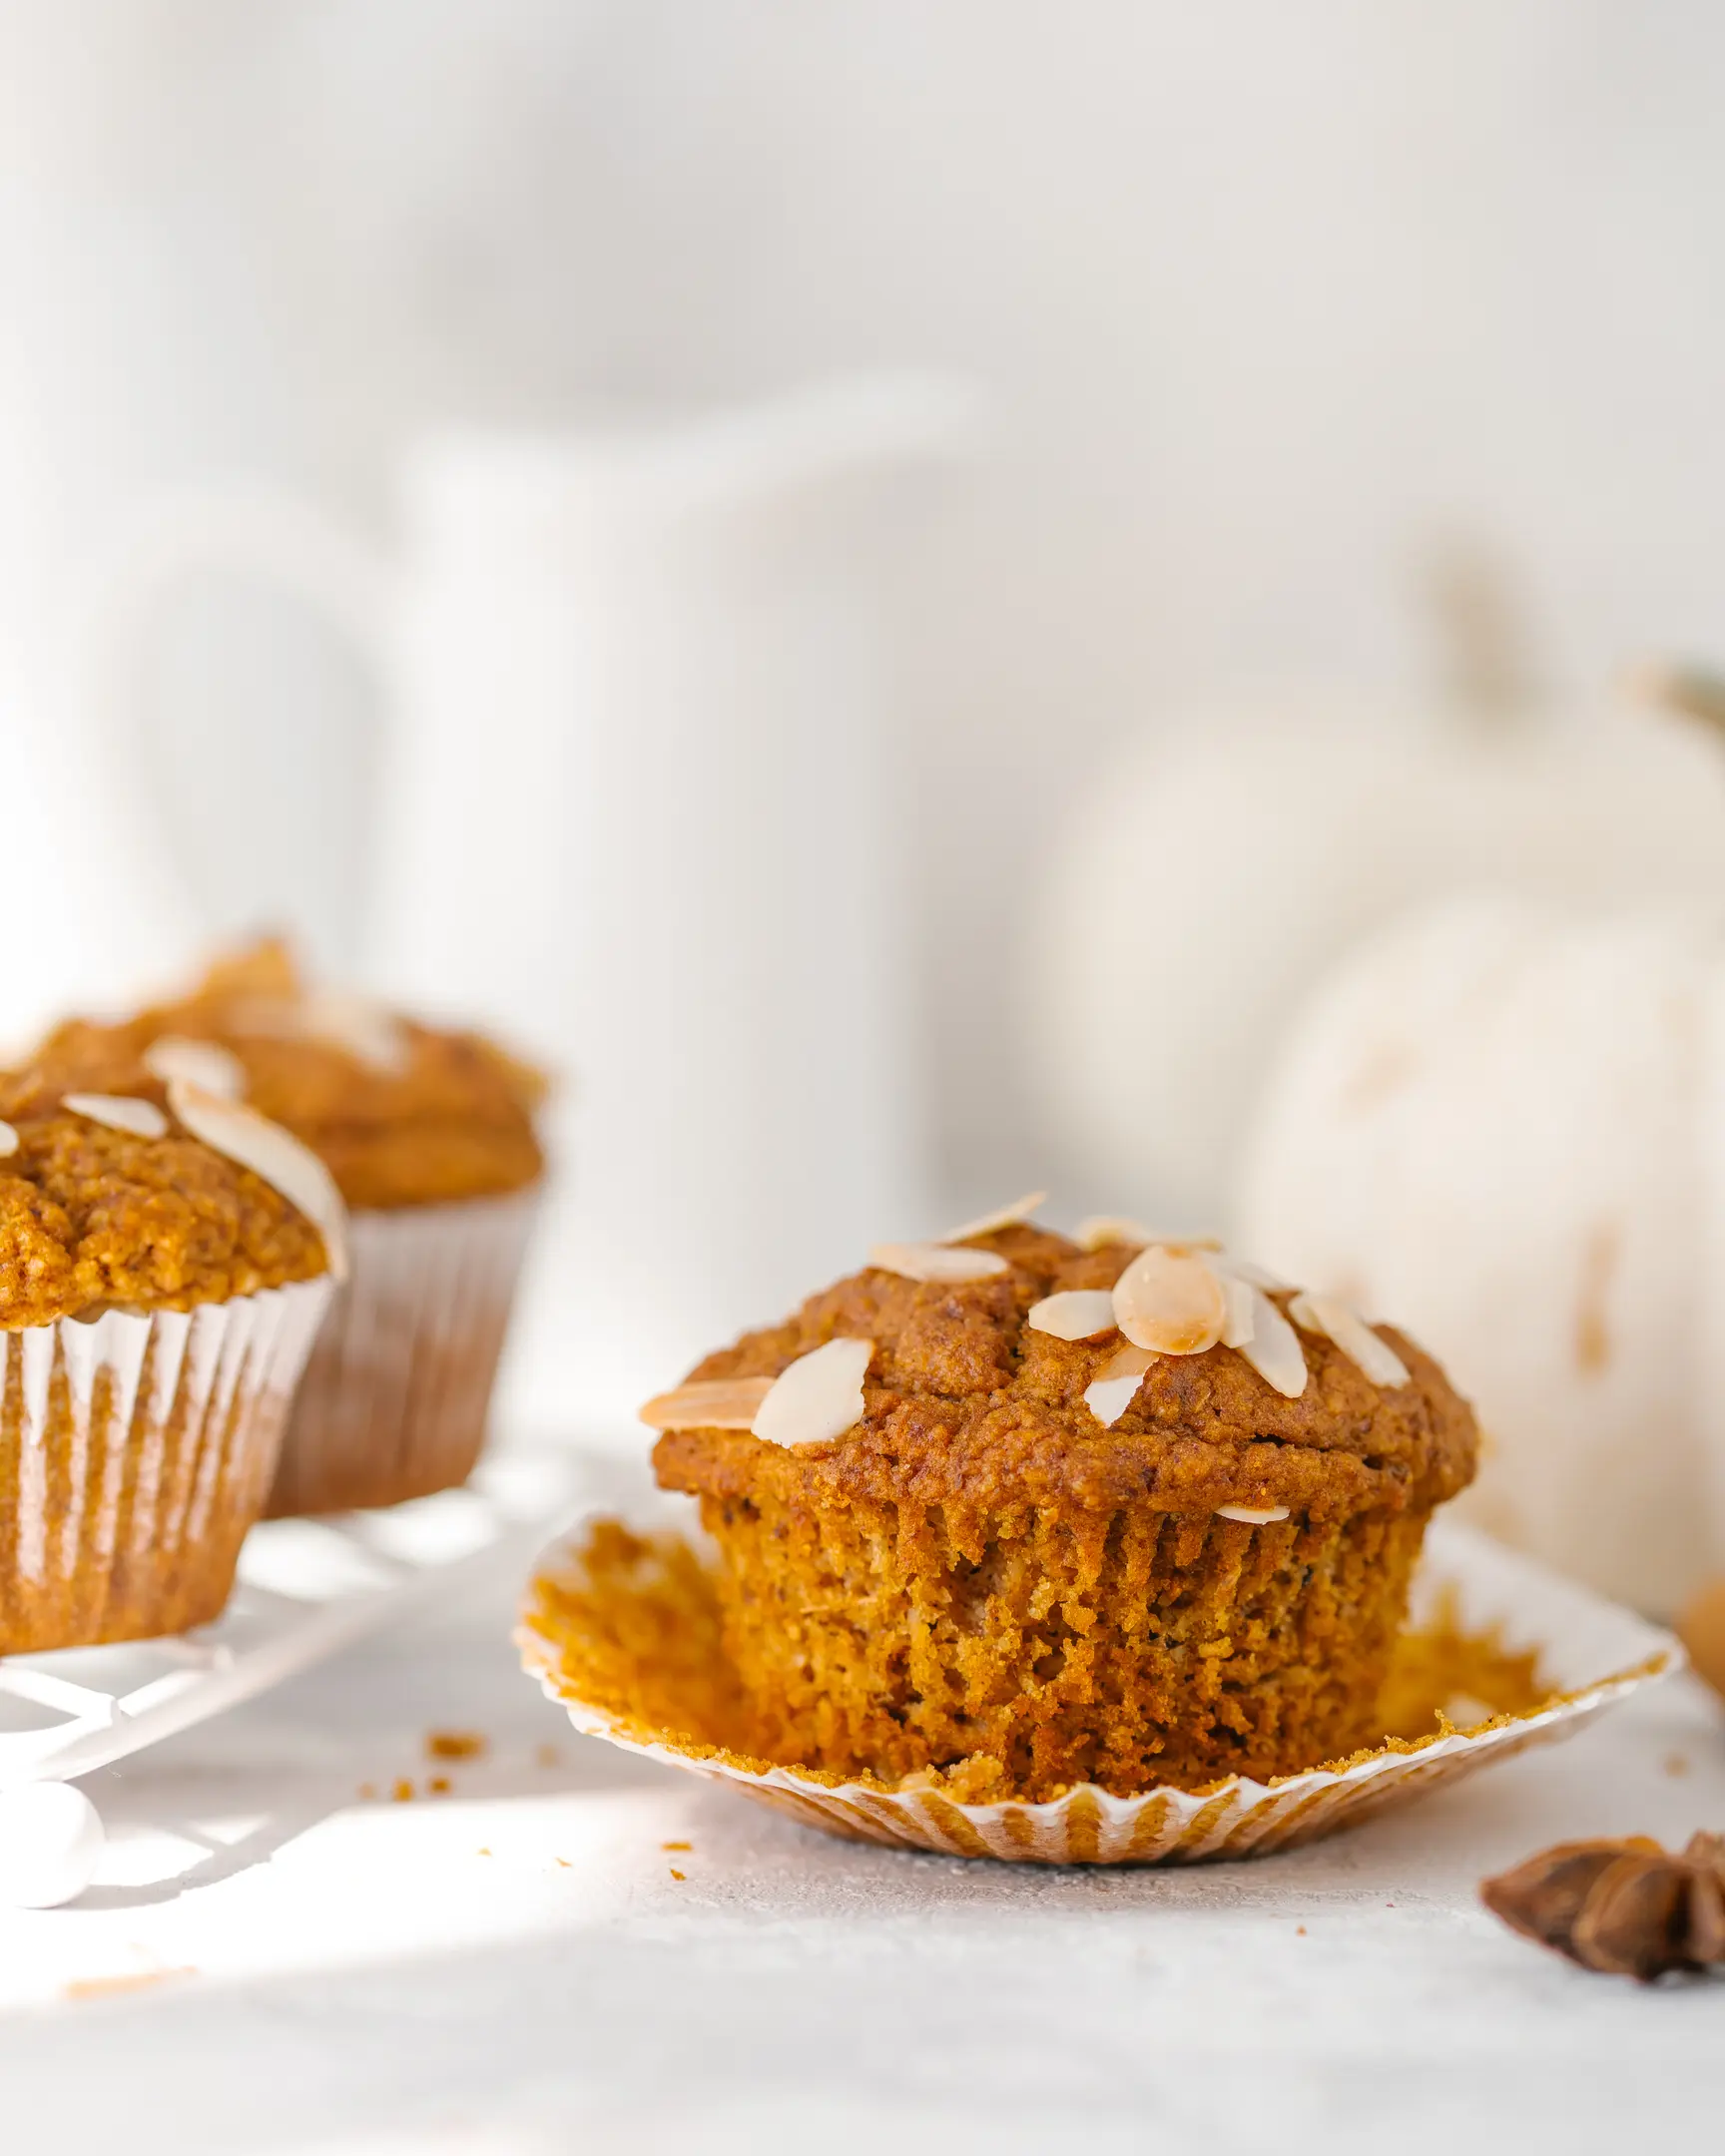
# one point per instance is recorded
(628, 1653)
(135, 1452)
(395, 1400)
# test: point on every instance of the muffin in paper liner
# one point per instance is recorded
(135, 1452)
(621, 1629)
(394, 1401)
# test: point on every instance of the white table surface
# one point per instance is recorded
(515, 1968)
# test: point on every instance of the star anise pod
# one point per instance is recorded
(1630, 1907)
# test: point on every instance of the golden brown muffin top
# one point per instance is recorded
(967, 1407)
(92, 1217)
(402, 1114)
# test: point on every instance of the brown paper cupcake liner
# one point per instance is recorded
(135, 1452)
(395, 1401)
(623, 1632)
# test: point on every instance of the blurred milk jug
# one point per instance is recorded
(633, 814)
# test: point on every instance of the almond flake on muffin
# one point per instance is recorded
(1102, 1229)
(1338, 1322)
(818, 1398)
(202, 1063)
(1274, 1348)
(721, 1404)
(937, 1261)
(1171, 1302)
(1117, 1387)
(272, 1153)
(340, 1017)
(1008, 1216)
(1074, 1314)
(121, 1112)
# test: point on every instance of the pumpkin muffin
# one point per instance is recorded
(1012, 1510)
(165, 1261)
(429, 1136)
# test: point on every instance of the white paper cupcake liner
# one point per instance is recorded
(136, 1450)
(1590, 1651)
(395, 1401)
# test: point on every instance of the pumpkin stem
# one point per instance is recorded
(1690, 690)
(1482, 632)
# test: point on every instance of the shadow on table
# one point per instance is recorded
(177, 1808)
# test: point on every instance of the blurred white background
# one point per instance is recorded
(1271, 302)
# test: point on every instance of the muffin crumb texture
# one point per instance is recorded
(984, 1581)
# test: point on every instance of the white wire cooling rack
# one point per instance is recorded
(306, 1588)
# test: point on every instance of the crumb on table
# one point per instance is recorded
(677, 1845)
(456, 1745)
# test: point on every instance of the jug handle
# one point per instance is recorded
(261, 536)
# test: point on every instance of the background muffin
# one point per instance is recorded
(428, 1134)
(158, 1299)
(1032, 1560)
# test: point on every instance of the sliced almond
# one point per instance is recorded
(274, 1154)
(937, 1261)
(1340, 1321)
(8, 1140)
(1127, 1361)
(1256, 1275)
(120, 1111)
(1241, 1316)
(202, 1063)
(1274, 1351)
(1101, 1229)
(1171, 1302)
(1251, 1515)
(1074, 1313)
(364, 1029)
(818, 1398)
(710, 1403)
(1115, 1386)
(1009, 1216)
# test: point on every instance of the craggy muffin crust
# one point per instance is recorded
(448, 1116)
(981, 1583)
(967, 1408)
(92, 1217)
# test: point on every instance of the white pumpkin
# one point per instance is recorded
(1505, 1125)
(1203, 884)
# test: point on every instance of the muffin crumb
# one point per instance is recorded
(456, 1745)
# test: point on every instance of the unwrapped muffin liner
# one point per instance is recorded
(135, 1452)
(395, 1401)
(1591, 1654)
